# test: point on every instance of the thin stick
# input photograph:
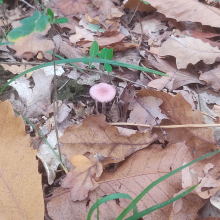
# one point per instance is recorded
(28, 4)
(134, 12)
(167, 126)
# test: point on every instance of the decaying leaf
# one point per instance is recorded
(21, 189)
(212, 78)
(80, 34)
(182, 11)
(189, 50)
(81, 179)
(182, 77)
(96, 136)
(163, 82)
(30, 45)
(135, 174)
(16, 69)
(179, 111)
(151, 116)
(48, 158)
(33, 101)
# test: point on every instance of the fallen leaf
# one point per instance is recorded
(81, 33)
(205, 14)
(212, 78)
(189, 50)
(33, 100)
(48, 158)
(107, 41)
(21, 187)
(182, 77)
(131, 177)
(203, 36)
(96, 136)
(16, 69)
(179, 111)
(14, 15)
(68, 51)
(81, 179)
(163, 82)
(149, 26)
(215, 200)
(31, 45)
(152, 116)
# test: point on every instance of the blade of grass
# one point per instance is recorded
(6, 43)
(140, 196)
(161, 205)
(41, 134)
(108, 198)
(58, 56)
(75, 60)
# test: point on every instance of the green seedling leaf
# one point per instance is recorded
(1, 1)
(50, 13)
(106, 54)
(61, 20)
(94, 49)
(96, 27)
(36, 23)
(108, 67)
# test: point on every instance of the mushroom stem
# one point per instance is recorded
(103, 107)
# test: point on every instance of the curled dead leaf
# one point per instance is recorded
(81, 179)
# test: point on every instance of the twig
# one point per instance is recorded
(55, 102)
(167, 126)
(134, 12)
(31, 6)
(140, 41)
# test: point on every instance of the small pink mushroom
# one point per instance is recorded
(103, 93)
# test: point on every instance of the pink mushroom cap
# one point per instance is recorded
(102, 92)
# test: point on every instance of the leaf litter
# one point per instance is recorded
(124, 157)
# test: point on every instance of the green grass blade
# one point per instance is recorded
(58, 56)
(46, 141)
(139, 197)
(108, 198)
(161, 205)
(6, 43)
(75, 60)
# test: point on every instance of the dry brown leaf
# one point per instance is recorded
(107, 41)
(189, 50)
(81, 179)
(80, 34)
(14, 15)
(135, 174)
(152, 116)
(182, 77)
(21, 188)
(96, 136)
(132, 4)
(29, 46)
(68, 51)
(191, 10)
(212, 78)
(16, 69)
(203, 36)
(179, 111)
(163, 82)
(106, 9)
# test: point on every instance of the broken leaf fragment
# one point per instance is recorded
(81, 179)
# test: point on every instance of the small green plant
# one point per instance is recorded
(51, 19)
(105, 53)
